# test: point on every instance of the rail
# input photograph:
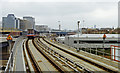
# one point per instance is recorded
(65, 60)
(27, 57)
(32, 59)
(86, 59)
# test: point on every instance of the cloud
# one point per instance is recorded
(60, 0)
(94, 13)
(104, 14)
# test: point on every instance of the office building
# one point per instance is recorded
(10, 22)
(31, 22)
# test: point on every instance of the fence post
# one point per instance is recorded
(96, 49)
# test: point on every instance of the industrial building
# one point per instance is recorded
(42, 28)
(89, 40)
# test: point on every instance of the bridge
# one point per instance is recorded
(45, 55)
(9, 30)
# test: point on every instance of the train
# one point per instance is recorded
(31, 33)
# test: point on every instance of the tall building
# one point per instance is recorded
(31, 22)
(24, 25)
(10, 22)
(17, 23)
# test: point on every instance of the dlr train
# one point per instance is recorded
(31, 33)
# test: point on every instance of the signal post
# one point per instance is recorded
(9, 39)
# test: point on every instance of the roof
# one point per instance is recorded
(62, 37)
(95, 35)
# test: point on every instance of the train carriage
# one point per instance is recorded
(31, 33)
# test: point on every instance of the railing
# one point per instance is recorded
(10, 63)
(95, 51)
(115, 53)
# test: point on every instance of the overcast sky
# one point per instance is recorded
(99, 13)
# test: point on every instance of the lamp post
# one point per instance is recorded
(59, 27)
(83, 25)
(78, 27)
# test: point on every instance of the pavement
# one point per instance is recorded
(19, 57)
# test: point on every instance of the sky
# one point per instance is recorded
(102, 13)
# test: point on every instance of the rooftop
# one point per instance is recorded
(95, 35)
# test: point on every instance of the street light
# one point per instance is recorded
(78, 27)
(59, 24)
(83, 25)
(59, 27)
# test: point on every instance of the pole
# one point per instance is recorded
(59, 28)
(83, 24)
(68, 40)
(90, 48)
(77, 46)
(103, 47)
(9, 46)
(78, 28)
(96, 49)
(104, 36)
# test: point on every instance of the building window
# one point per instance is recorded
(75, 42)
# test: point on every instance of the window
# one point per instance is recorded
(75, 42)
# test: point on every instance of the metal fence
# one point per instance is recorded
(96, 50)
(10, 63)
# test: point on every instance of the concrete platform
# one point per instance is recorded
(107, 62)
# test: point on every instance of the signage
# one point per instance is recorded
(104, 36)
(9, 37)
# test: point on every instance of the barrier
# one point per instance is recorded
(115, 53)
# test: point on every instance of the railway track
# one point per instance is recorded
(42, 61)
(85, 63)
(32, 59)
(68, 62)
(57, 59)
